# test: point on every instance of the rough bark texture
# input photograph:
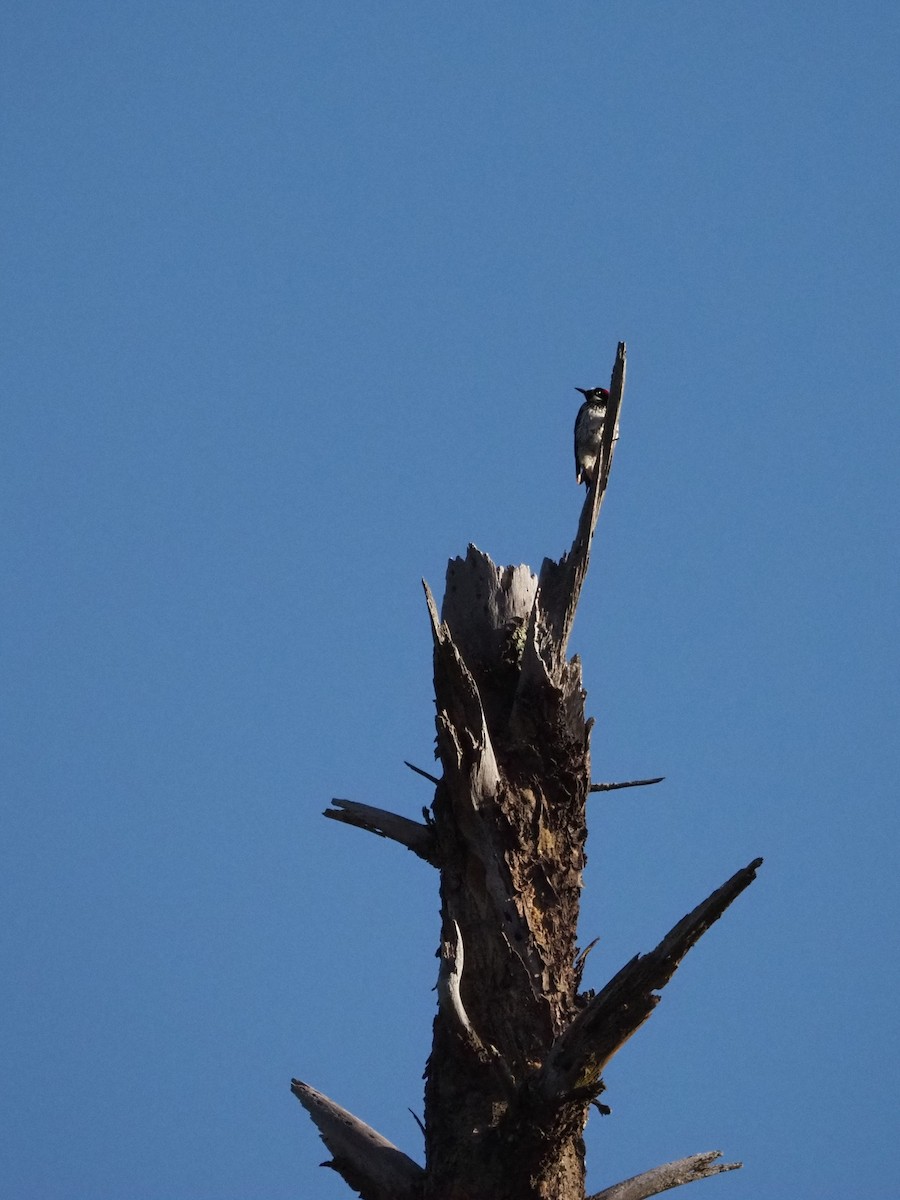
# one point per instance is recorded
(517, 1049)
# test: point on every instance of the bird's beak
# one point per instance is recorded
(584, 391)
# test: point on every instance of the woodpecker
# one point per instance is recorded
(589, 432)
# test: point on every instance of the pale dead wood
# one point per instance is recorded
(670, 1175)
(448, 987)
(472, 778)
(452, 957)
(368, 1162)
(463, 739)
(502, 596)
(581, 1052)
(412, 834)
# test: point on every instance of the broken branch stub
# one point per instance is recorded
(670, 1175)
(412, 834)
(368, 1162)
(580, 1054)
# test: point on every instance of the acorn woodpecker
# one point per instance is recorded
(589, 432)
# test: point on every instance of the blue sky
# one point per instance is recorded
(295, 297)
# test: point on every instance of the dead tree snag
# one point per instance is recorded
(518, 1050)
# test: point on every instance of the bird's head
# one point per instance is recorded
(595, 395)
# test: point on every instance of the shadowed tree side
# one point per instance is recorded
(518, 1050)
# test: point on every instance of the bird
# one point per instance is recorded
(589, 432)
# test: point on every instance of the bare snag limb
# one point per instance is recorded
(425, 774)
(670, 1175)
(580, 1053)
(614, 787)
(366, 1161)
(412, 834)
(448, 988)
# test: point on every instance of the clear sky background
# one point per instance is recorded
(295, 298)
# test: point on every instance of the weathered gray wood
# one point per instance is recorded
(614, 787)
(503, 597)
(670, 1175)
(449, 990)
(448, 985)
(579, 1055)
(412, 834)
(464, 743)
(368, 1162)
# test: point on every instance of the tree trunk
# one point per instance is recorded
(518, 1049)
